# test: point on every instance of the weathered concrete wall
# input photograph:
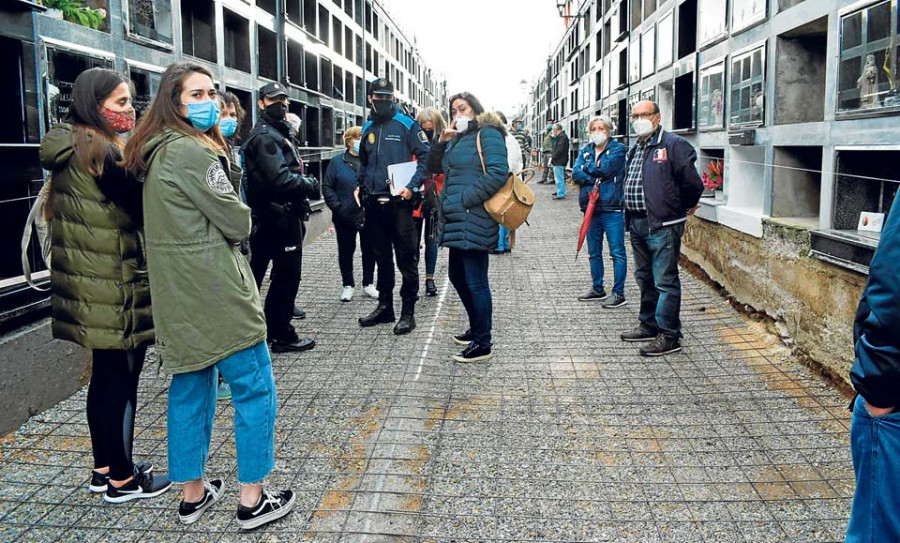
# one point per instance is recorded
(815, 300)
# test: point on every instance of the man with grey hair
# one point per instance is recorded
(559, 159)
(601, 164)
(661, 187)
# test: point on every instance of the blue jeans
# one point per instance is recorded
(613, 224)
(559, 172)
(503, 241)
(656, 273)
(468, 271)
(192, 406)
(875, 446)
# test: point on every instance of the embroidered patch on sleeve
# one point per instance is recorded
(217, 179)
(422, 137)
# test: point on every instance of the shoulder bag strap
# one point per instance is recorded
(480, 154)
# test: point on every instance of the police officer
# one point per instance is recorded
(391, 137)
(278, 194)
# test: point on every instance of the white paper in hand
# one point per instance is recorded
(399, 175)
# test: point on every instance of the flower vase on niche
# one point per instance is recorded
(712, 179)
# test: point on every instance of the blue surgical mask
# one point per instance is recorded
(356, 146)
(203, 115)
(228, 126)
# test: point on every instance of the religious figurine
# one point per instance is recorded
(868, 84)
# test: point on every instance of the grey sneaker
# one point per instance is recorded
(640, 333)
(593, 296)
(615, 301)
(663, 344)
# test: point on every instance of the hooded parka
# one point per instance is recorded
(206, 305)
(100, 289)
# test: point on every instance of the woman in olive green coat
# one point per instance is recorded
(205, 302)
(100, 293)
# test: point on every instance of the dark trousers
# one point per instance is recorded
(393, 233)
(426, 225)
(111, 401)
(547, 167)
(283, 283)
(656, 273)
(346, 242)
(468, 271)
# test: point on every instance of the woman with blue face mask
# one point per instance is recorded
(339, 191)
(205, 302)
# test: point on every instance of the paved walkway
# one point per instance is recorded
(566, 435)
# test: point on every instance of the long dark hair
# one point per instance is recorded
(473, 102)
(165, 114)
(94, 139)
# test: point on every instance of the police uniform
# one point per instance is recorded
(278, 193)
(391, 137)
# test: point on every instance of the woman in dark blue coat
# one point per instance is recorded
(465, 226)
(338, 190)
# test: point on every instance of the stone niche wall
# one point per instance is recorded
(815, 300)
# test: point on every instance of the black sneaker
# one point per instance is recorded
(593, 296)
(663, 344)
(430, 288)
(189, 512)
(144, 485)
(100, 480)
(271, 507)
(298, 313)
(615, 301)
(465, 338)
(292, 345)
(473, 353)
(641, 333)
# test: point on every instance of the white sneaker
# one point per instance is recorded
(371, 291)
(347, 294)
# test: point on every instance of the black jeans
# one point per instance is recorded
(346, 242)
(393, 233)
(284, 282)
(111, 401)
(656, 273)
(468, 271)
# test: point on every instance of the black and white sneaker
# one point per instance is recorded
(100, 480)
(473, 353)
(615, 301)
(271, 507)
(144, 485)
(593, 296)
(465, 338)
(189, 512)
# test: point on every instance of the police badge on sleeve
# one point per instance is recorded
(217, 179)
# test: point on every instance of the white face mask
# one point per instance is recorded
(598, 138)
(462, 123)
(643, 127)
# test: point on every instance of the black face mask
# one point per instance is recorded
(276, 111)
(429, 134)
(382, 109)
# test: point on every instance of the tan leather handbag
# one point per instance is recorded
(511, 204)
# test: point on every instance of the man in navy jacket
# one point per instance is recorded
(875, 426)
(661, 186)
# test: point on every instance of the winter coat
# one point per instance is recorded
(671, 183)
(548, 143)
(277, 190)
(464, 223)
(876, 371)
(560, 155)
(395, 141)
(338, 187)
(100, 290)
(206, 305)
(610, 172)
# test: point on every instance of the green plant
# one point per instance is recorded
(76, 12)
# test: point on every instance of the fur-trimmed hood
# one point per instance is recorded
(492, 120)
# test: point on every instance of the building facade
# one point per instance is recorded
(322, 50)
(797, 99)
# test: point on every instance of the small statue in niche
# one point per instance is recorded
(868, 84)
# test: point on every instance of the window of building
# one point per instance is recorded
(266, 43)
(311, 67)
(311, 120)
(324, 27)
(683, 116)
(327, 126)
(711, 106)
(64, 66)
(687, 28)
(337, 79)
(649, 8)
(198, 29)
(309, 15)
(648, 50)
(649, 94)
(237, 41)
(327, 77)
(337, 31)
(295, 61)
(748, 87)
(712, 21)
(868, 59)
(634, 61)
(665, 40)
(635, 13)
(150, 19)
(348, 43)
(623, 68)
(267, 5)
(349, 88)
(146, 83)
(747, 13)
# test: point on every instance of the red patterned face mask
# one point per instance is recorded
(119, 121)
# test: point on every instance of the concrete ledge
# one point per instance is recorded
(742, 220)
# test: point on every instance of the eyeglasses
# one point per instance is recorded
(637, 116)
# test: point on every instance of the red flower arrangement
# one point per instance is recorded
(712, 177)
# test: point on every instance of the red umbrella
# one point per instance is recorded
(588, 213)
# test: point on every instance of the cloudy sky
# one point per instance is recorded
(486, 47)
